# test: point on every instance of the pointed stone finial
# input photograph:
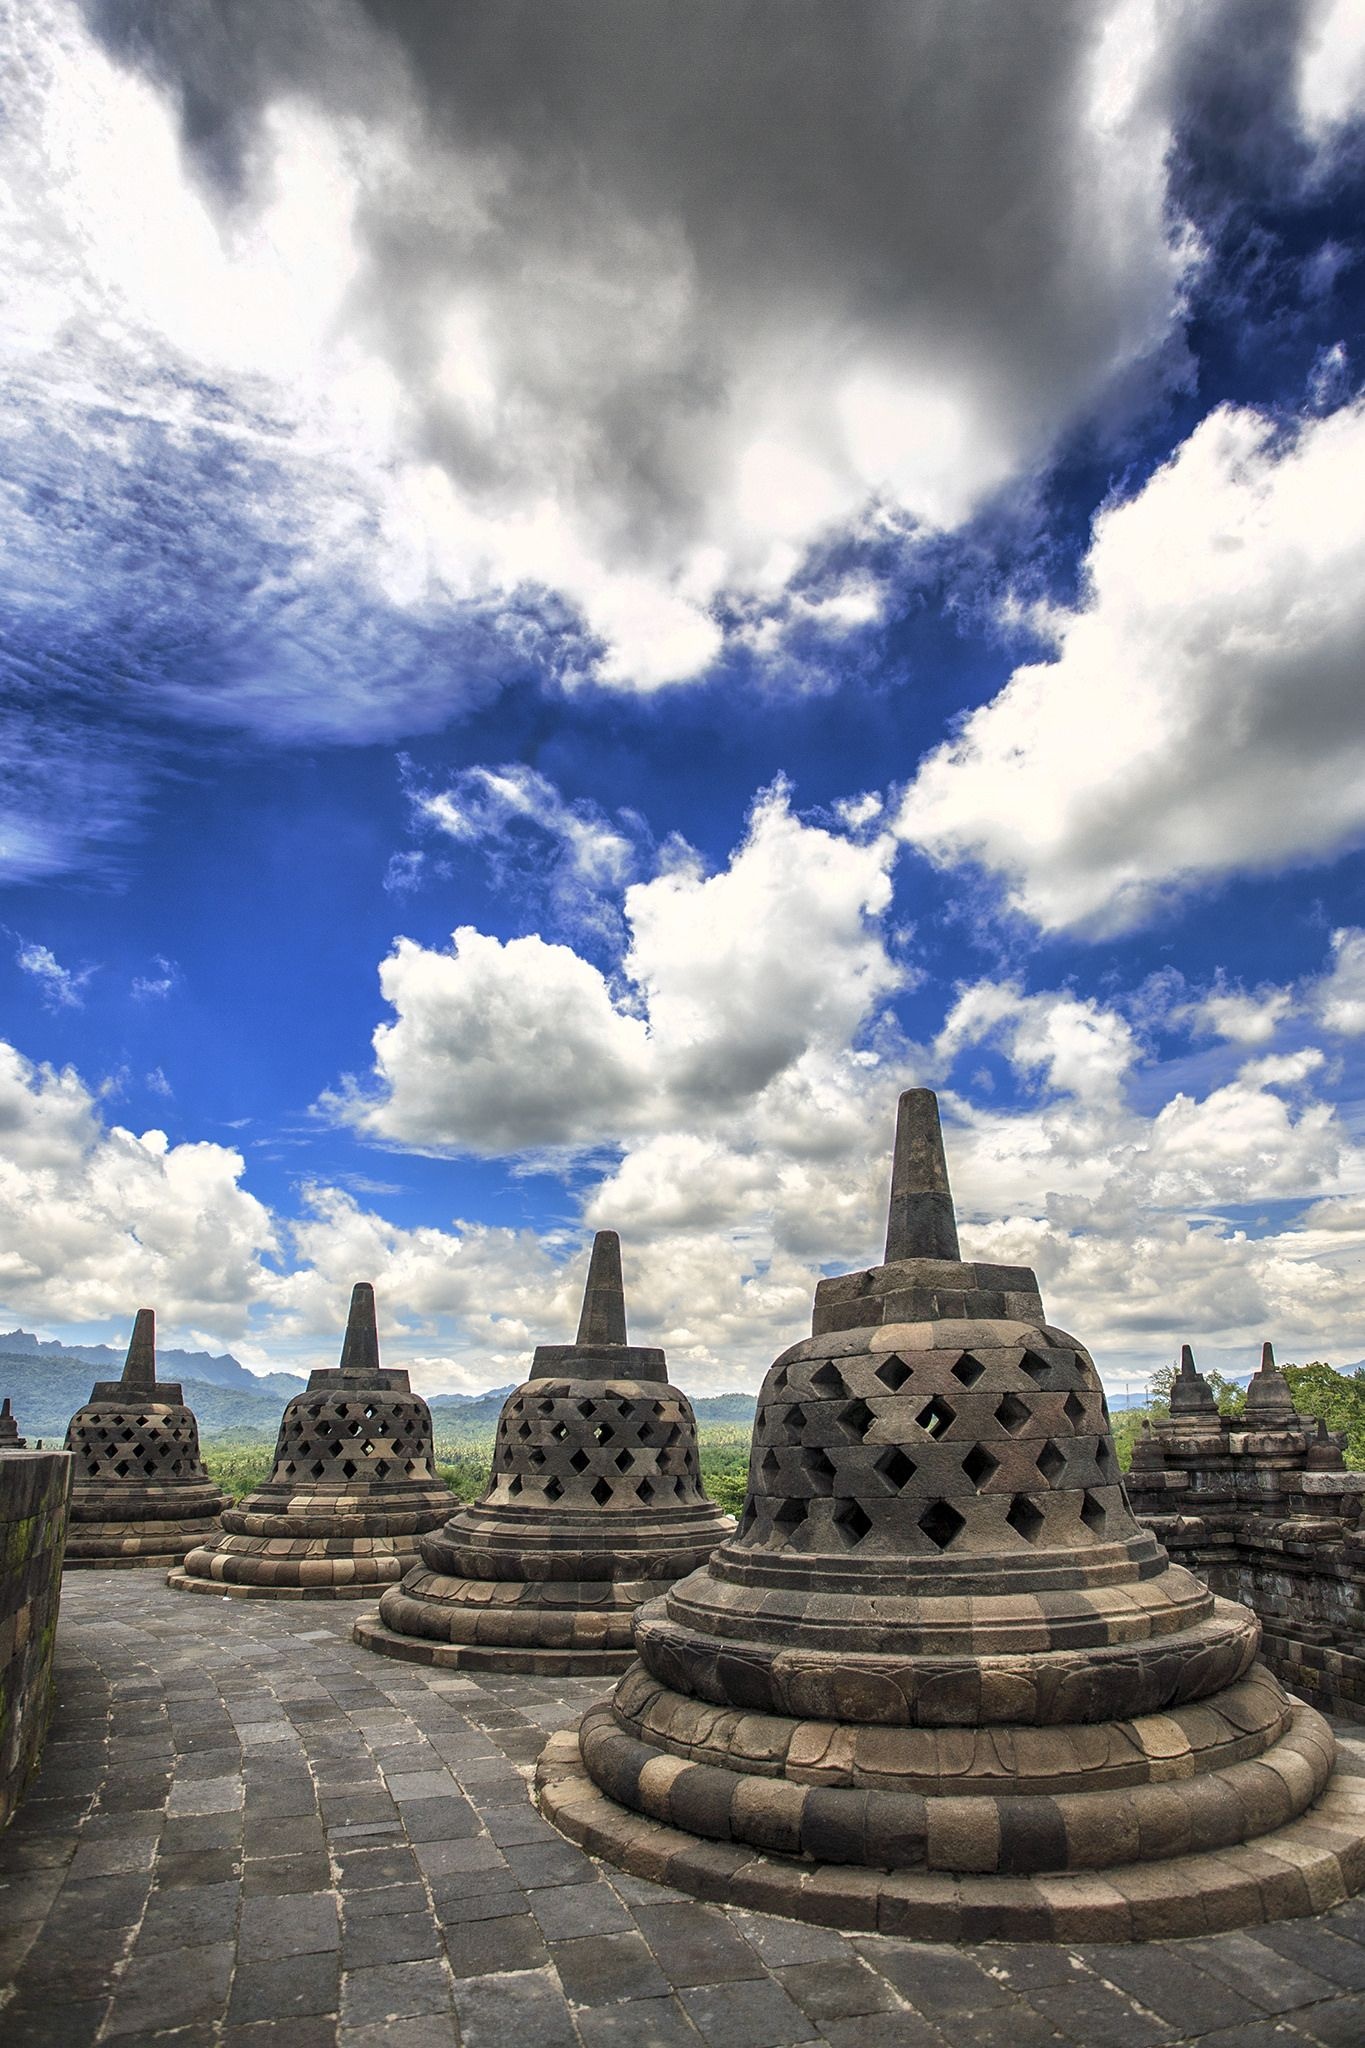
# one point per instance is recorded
(603, 1320)
(10, 1438)
(920, 1224)
(1268, 1397)
(360, 1351)
(1191, 1392)
(139, 1367)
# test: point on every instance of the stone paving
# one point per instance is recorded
(248, 1831)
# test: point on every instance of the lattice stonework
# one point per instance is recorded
(331, 1439)
(614, 1447)
(1003, 1447)
(145, 1443)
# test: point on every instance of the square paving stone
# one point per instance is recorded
(379, 1904)
(568, 1909)
(1315, 1948)
(54, 2026)
(364, 1869)
(201, 1831)
(118, 1852)
(420, 1785)
(440, 1820)
(755, 2015)
(275, 1875)
(115, 1901)
(393, 1991)
(296, 1835)
(892, 2030)
(423, 2030)
(934, 1978)
(638, 2023)
(295, 2033)
(463, 1906)
(1339, 2023)
(389, 1938)
(441, 1859)
(204, 1795)
(599, 1969)
(1158, 1976)
(543, 1863)
(188, 1917)
(159, 1992)
(285, 1990)
(195, 1867)
(517, 1824)
(696, 1944)
(527, 2009)
(476, 1948)
(1088, 2011)
(301, 1924)
(837, 1991)
(1257, 1971)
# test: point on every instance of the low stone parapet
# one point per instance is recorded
(35, 1491)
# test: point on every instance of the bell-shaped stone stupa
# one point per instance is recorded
(139, 1493)
(10, 1439)
(595, 1504)
(354, 1486)
(940, 1682)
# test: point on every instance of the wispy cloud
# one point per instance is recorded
(63, 988)
(148, 988)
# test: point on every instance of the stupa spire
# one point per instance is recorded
(921, 1223)
(1191, 1391)
(139, 1367)
(1268, 1395)
(603, 1320)
(360, 1348)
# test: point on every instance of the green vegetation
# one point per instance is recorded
(1318, 1389)
(463, 1456)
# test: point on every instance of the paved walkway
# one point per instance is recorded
(247, 1832)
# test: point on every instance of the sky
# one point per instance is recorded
(587, 593)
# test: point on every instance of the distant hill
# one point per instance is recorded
(204, 1367)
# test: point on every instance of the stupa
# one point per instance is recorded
(353, 1487)
(940, 1682)
(594, 1505)
(10, 1439)
(139, 1493)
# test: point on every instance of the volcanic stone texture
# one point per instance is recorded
(35, 1488)
(140, 1494)
(1262, 1507)
(595, 1505)
(940, 1681)
(353, 1487)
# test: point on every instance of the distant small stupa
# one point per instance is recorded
(353, 1486)
(10, 1439)
(595, 1504)
(140, 1494)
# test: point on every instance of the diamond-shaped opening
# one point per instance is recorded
(354, 1428)
(514, 1484)
(559, 1431)
(935, 1416)
(746, 1520)
(524, 1431)
(553, 1489)
(941, 1522)
(979, 1465)
(893, 1372)
(1104, 1454)
(1025, 1517)
(828, 1381)
(624, 1460)
(123, 1468)
(1074, 1410)
(1037, 1368)
(852, 1521)
(318, 1469)
(968, 1370)
(895, 1468)
(586, 1407)
(790, 1514)
(1093, 1514)
(601, 1493)
(579, 1461)
(1012, 1414)
(535, 1456)
(127, 1436)
(546, 1407)
(769, 1468)
(857, 1419)
(644, 1490)
(625, 1407)
(795, 1417)
(1050, 1461)
(366, 1449)
(604, 1432)
(349, 1468)
(820, 1468)
(778, 1381)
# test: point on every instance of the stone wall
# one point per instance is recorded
(35, 1490)
(1263, 1509)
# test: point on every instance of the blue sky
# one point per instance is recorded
(588, 593)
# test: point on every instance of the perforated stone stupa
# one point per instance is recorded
(940, 1682)
(139, 1493)
(354, 1486)
(595, 1504)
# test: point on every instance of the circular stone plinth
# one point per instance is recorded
(371, 1634)
(121, 1546)
(1305, 1867)
(236, 1589)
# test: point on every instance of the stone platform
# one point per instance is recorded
(248, 1833)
